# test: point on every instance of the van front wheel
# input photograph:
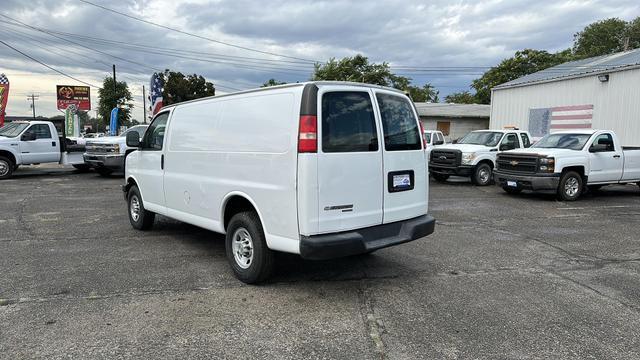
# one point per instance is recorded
(139, 217)
(246, 247)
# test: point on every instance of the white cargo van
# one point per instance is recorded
(321, 169)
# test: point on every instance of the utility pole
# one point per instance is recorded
(144, 105)
(33, 97)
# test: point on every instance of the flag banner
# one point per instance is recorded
(4, 97)
(546, 120)
(155, 97)
(113, 124)
(71, 127)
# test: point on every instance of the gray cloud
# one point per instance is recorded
(437, 33)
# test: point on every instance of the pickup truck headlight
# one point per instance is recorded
(116, 148)
(547, 165)
(467, 158)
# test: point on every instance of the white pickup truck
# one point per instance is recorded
(36, 142)
(106, 154)
(569, 162)
(475, 154)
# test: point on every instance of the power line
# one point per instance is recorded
(193, 35)
(48, 66)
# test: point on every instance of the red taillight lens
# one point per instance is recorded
(424, 138)
(308, 134)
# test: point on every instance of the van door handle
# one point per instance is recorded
(53, 143)
(162, 162)
(616, 156)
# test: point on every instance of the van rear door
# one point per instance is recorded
(349, 160)
(405, 174)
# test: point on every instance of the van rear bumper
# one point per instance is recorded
(335, 245)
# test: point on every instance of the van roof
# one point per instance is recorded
(318, 83)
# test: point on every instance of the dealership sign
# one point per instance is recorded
(73, 95)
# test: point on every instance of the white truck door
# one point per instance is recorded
(404, 161)
(151, 164)
(606, 163)
(37, 145)
(349, 160)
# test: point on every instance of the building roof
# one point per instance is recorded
(453, 110)
(580, 68)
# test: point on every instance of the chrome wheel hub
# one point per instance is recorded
(242, 247)
(134, 208)
(4, 168)
(484, 175)
(571, 187)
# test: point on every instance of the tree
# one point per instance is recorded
(631, 34)
(426, 93)
(524, 62)
(108, 98)
(358, 69)
(599, 38)
(272, 82)
(462, 97)
(179, 88)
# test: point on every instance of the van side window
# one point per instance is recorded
(154, 136)
(525, 140)
(348, 123)
(399, 123)
(40, 130)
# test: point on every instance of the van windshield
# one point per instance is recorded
(13, 129)
(562, 141)
(486, 138)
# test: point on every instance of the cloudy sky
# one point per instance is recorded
(446, 43)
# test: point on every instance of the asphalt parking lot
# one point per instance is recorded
(502, 277)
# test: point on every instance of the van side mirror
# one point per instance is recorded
(28, 136)
(133, 139)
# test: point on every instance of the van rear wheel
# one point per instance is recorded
(246, 247)
(6, 168)
(139, 217)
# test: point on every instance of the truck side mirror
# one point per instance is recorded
(28, 136)
(438, 142)
(133, 139)
(598, 148)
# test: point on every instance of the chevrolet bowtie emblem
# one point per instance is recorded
(514, 163)
(442, 158)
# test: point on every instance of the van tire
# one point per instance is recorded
(482, 175)
(440, 177)
(6, 168)
(140, 218)
(245, 234)
(571, 185)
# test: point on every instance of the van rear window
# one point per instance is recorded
(348, 123)
(399, 123)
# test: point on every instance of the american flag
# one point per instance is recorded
(3, 79)
(4, 97)
(571, 117)
(155, 98)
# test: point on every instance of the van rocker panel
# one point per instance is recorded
(360, 241)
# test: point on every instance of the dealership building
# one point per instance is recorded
(597, 93)
(454, 120)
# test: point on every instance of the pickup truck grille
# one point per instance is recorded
(517, 163)
(100, 148)
(446, 157)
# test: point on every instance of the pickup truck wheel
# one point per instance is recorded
(440, 177)
(6, 168)
(570, 187)
(246, 247)
(511, 190)
(104, 171)
(482, 175)
(139, 217)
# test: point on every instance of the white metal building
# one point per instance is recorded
(454, 120)
(600, 93)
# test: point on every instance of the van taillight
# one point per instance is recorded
(308, 134)
(424, 138)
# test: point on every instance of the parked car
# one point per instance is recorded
(35, 142)
(106, 154)
(474, 155)
(569, 162)
(320, 169)
(433, 138)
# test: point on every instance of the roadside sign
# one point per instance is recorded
(79, 96)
